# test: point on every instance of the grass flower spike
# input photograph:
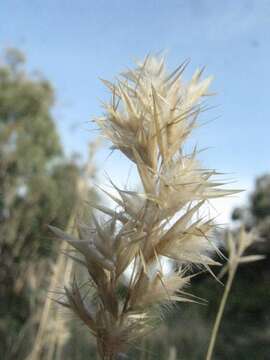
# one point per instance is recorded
(237, 244)
(149, 118)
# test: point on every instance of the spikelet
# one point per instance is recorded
(149, 118)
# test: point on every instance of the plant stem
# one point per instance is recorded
(225, 295)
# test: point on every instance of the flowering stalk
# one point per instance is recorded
(236, 248)
(149, 118)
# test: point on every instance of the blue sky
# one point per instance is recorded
(74, 42)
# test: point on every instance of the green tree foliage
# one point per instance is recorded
(257, 212)
(37, 187)
(260, 199)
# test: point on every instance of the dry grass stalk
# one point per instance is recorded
(41, 339)
(236, 247)
(46, 338)
(172, 353)
(149, 118)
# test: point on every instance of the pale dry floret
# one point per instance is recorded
(149, 118)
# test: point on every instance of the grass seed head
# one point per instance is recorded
(150, 116)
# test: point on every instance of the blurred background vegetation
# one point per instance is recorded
(40, 185)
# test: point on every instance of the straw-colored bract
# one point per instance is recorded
(149, 118)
